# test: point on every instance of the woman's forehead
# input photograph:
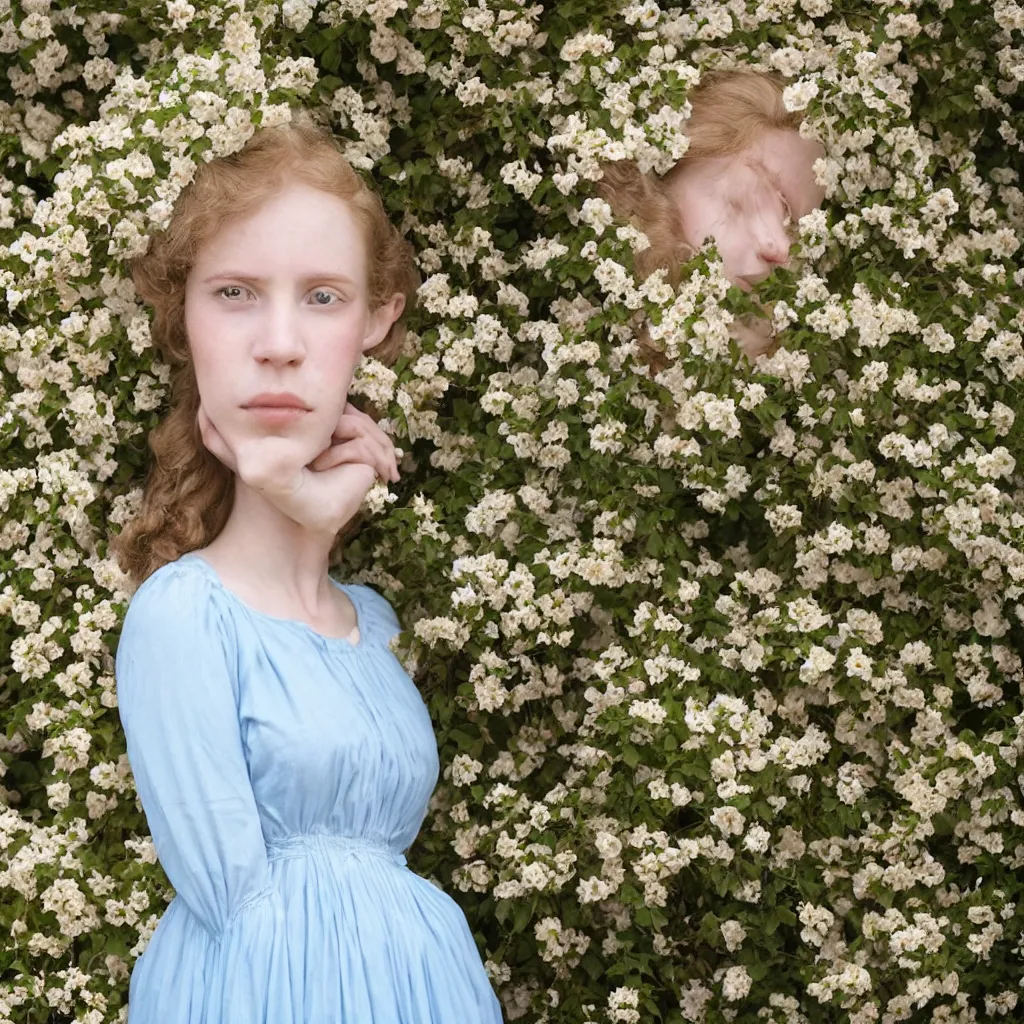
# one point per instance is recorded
(787, 159)
(292, 227)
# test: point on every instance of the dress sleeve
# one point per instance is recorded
(177, 693)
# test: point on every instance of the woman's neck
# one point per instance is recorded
(271, 561)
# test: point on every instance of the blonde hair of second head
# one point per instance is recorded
(189, 493)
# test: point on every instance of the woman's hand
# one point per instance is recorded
(322, 494)
(357, 438)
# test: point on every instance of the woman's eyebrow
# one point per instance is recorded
(327, 277)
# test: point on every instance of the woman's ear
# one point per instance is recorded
(381, 319)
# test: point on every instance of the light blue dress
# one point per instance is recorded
(283, 774)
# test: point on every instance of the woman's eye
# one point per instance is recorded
(322, 297)
(233, 292)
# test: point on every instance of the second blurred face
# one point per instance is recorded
(749, 202)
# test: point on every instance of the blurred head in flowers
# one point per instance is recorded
(745, 181)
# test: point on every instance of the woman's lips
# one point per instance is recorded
(276, 413)
(276, 399)
(277, 407)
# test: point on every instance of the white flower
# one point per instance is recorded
(858, 665)
(757, 839)
(736, 983)
(441, 629)
(817, 922)
(598, 214)
(585, 43)
(648, 710)
(728, 820)
(622, 1005)
(472, 92)
(58, 795)
(494, 508)
(902, 25)
(798, 95)
(296, 14)
(593, 890)
(434, 293)
(693, 1001)
(733, 933)
(608, 846)
(465, 770)
(35, 25)
(995, 464)
(784, 517)
(519, 179)
(807, 616)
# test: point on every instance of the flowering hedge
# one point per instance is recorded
(723, 659)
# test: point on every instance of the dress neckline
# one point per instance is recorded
(348, 590)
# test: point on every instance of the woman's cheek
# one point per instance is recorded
(338, 353)
(730, 249)
(214, 357)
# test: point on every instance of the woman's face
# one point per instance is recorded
(277, 314)
(749, 202)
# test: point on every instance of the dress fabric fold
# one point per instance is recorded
(283, 774)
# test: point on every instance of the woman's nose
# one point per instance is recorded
(280, 338)
(773, 245)
(773, 248)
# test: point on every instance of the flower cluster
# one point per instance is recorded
(724, 659)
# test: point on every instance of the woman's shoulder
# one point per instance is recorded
(374, 605)
(177, 592)
(187, 572)
(177, 636)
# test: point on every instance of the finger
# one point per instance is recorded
(353, 414)
(390, 452)
(390, 459)
(352, 457)
(354, 410)
(336, 455)
(347, 428)
(385, 464)
(353, 422)
(395, 475)
(366, 428)
(386, 453)
(382, 461)
(359, 450)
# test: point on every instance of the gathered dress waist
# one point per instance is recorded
(312, 843)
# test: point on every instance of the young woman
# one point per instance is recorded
(745, 180)
(283, 757)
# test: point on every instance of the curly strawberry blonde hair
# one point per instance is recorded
(189, 493)
(731, 110)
